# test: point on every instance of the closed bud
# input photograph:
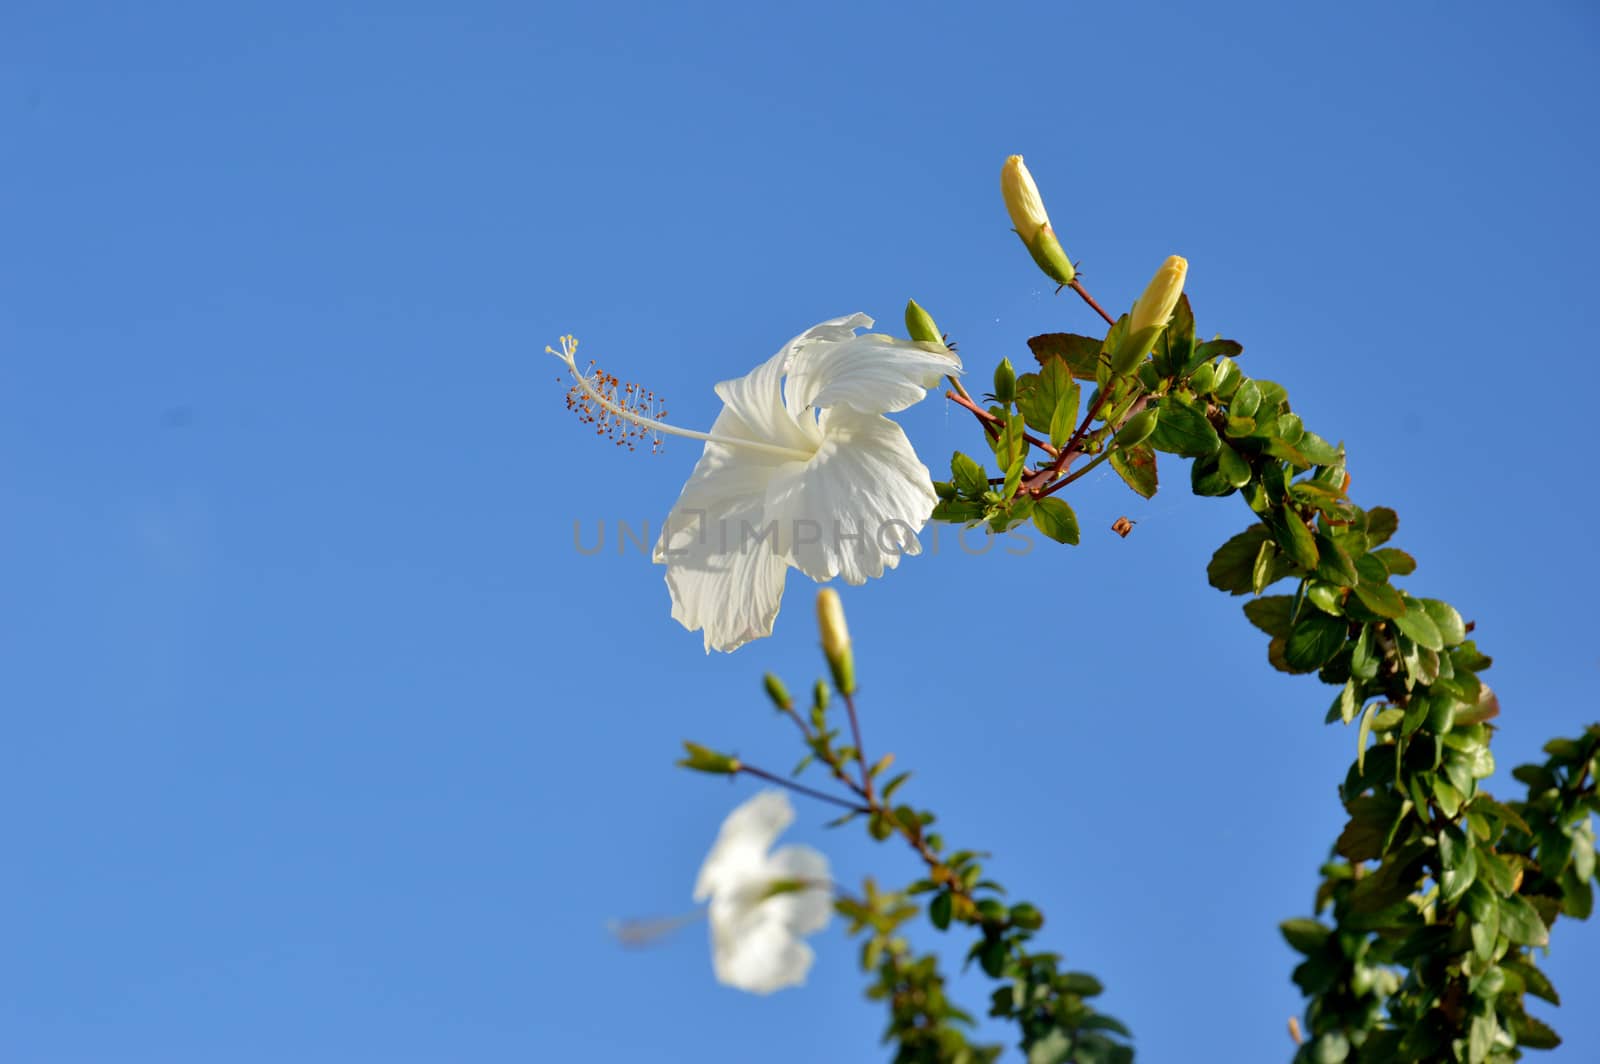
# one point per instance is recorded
(777, 692)
(704, 759)
(836, 640)
(1138, 427)
(920, 325)
(1031, 222)
(1160, 298)
(1150, 314)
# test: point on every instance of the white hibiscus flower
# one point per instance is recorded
(802, 470)
(761, 902)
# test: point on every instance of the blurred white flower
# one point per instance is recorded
(762, 903)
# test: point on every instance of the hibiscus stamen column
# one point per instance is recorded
(600, 390)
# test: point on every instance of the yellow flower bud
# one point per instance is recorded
(1160, 298)
(836, 640)
(1150, 315)
(1031, 222)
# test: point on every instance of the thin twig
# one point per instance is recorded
(861, 754)
(800, 788)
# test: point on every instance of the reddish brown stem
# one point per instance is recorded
(1077, 286)
(991, 422)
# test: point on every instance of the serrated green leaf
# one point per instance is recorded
(1055, 518)
(1316, 638)
(1333, 564)
(1080, 354)
(1296, 540)
(1183, 429)
(1273, 614)
(1396, 561)
(1452, 629)
(1232, 567)
(968, 475)
(1419, 627)
(1137, 468)
(1382, 523)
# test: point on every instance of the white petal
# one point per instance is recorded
(856, 507)
(758, 954)
(724, 572)
(740, 852)
(871, 374)
(755, 403)
(802, 911)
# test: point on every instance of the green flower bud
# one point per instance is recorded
(920, 325)
(1138, 427)
(1031, 222)
(704, 759)
(777, 692)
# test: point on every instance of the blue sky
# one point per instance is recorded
(322, 741)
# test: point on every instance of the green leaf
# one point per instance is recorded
(993, 956)
(1273, 614)
(939, 910)
(1305, 934)
(1064, 420)
(1080, 354)
(1177, 342)
(1081, 983)
(1183, 429)
(1372, 821)
(1382, 523)
(1317, 449)
(1325, 597)
(1362, 735)
(1397, 561)
(1520, 922)
(1246, 400)
(1315, 638)
(958, 511)
(968, 475)
(1055, 518)
(1333, 564)
(1460, 865)
(1535, 1033)
(1232, 567)
(1040, 395)
(1213, 349)
(1533, 980)
(1296, 540)
(1206, 479)
(1452, 629)
(1374, 591)
(1480, 1037)
(1137, 468)
(1347, 702)
(1231, 464)
(1055, 1046)
(1418, 626)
